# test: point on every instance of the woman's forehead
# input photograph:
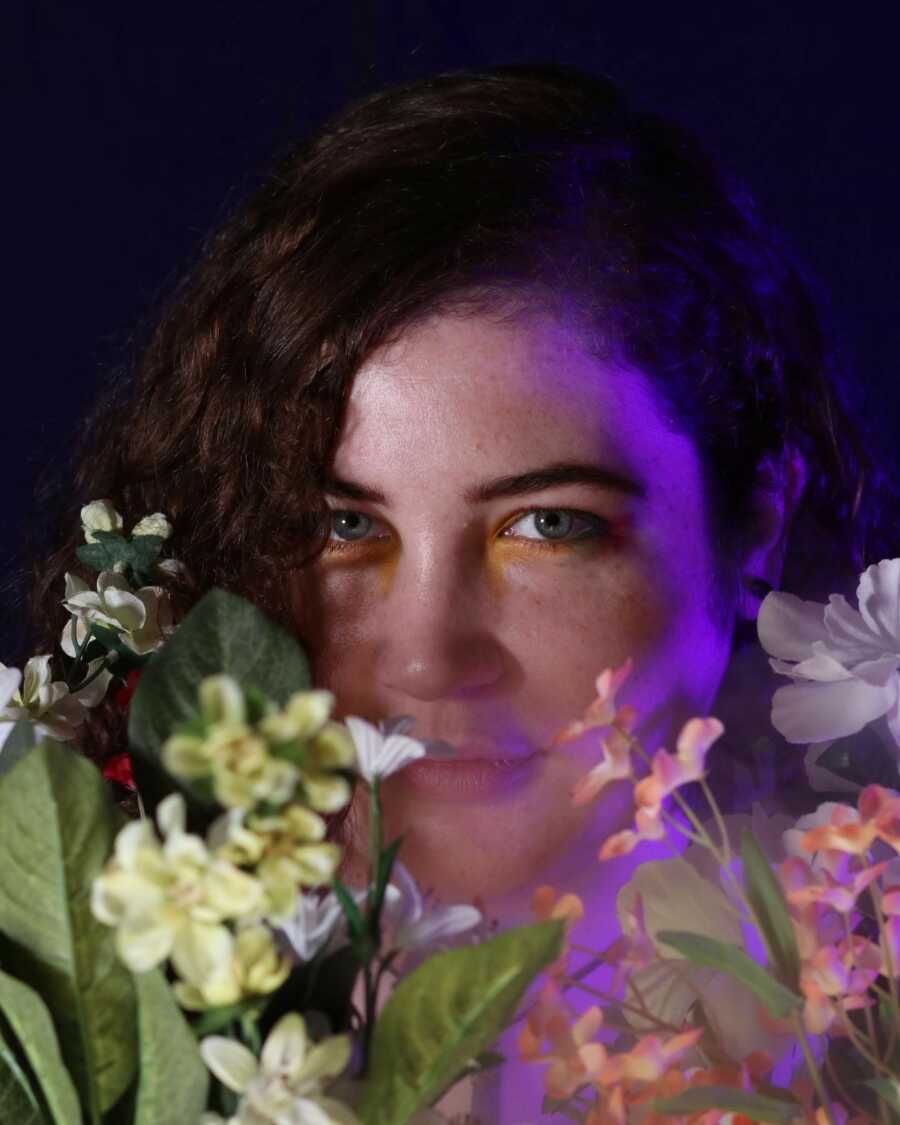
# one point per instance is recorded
(504, 393)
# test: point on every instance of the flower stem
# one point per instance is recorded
(814, 1074)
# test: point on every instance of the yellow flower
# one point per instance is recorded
(254, 967)
(172, 899)
(286, 1082)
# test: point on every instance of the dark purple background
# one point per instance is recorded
(147, 122)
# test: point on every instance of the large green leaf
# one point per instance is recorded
(731, 959)
(755, 1106)
(222, 634)
(770, 910)
(445, 1013)
(18, 1104)
(173, 1079)
(19, 742)
(57, 826)
(27, 1016)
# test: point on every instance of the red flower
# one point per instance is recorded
(118, 768)
(124, 694)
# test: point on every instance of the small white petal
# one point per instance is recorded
(380, 755)
(232, 1063)
(284, 1050)
(170, 814)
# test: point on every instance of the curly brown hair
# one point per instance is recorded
(470, 184)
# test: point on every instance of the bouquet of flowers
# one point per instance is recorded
(203, 962)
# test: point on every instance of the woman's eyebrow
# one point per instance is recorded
(566, 472)
(533, 480)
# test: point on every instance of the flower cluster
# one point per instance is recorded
(621, 754)
(110, 628)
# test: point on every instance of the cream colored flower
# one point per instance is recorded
(172, 899)
(141, 619)
(48, 703)
(285, 1085)
(157, 524)
(292, 749)
(238, 761)
(287, 849)
(99, 515)
(255, 967)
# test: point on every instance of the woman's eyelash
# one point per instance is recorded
(559, 525)
(553, 527)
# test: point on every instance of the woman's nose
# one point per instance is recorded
(438, 637)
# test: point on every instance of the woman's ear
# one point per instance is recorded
(779, 487)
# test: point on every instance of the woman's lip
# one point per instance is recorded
(467, 778)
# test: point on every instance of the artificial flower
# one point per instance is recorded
(99, 515)
(287, 849)
(10, 678)
(48, 703)
(157, 524)
(141, 619)
(285, 1085)
(551, 1034)
(548, 906)
(312, 925)
(380, 755)
(845, 662)
(172, 899)
(416, 924)
(615, 765)
(254, 967)
(602, 711)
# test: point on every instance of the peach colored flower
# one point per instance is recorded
(567, 908)
(649, 1059)
(615, 765)
(602, 711)
(573, 1056)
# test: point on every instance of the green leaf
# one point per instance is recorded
(140, 554)
(18, 1104)
(447, 1011)
(173, 1078)
(57, 826)
(731, 959)
(222, 634)
(888, 1090)
(356, 926)
(770, 910)
(30, 1022)
(755, 1106)
(21, 739)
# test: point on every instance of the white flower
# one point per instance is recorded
(142, 619)
(314, 922)
(378, 754)
(157, 524)
(415, 926)
(99, 515)
(845, 662)
(283, 1087)
(55, 711)
(10, 678)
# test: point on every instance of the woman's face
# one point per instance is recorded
(511, 516)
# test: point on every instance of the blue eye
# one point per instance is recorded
(550, 524)
(349, 526)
